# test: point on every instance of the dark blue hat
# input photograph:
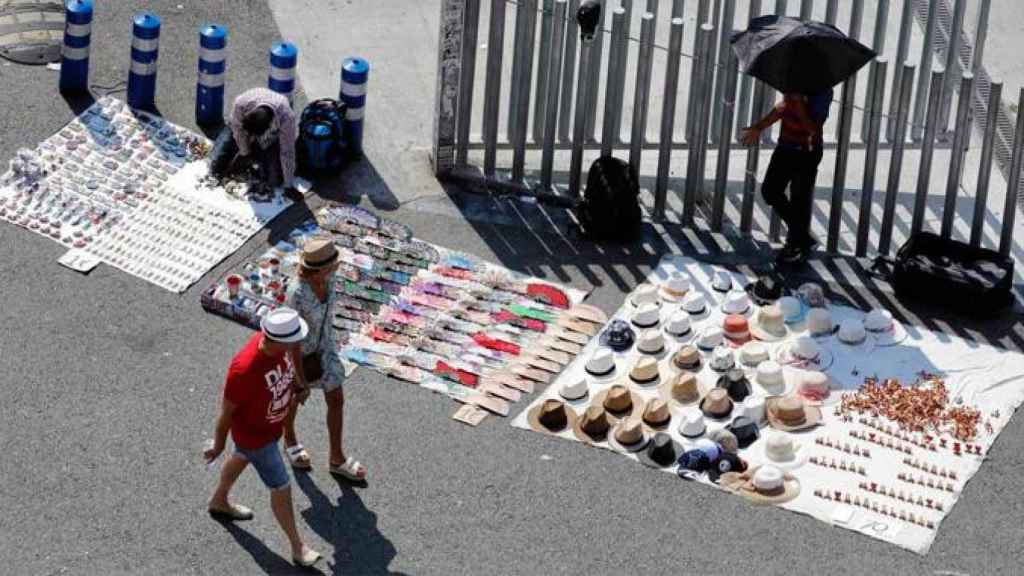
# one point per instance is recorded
(618, 336)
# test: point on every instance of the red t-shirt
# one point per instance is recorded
(261, 388)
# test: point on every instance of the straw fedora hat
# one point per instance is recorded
(551, 417)
(644, 294)
(647, 315)
(683, 389)
(695, 304)
(318, 253)
(753, 353)
(886, 330)
(629, 435)
(679, 326)
(820, 323)
(574, 390)
(687, 358)
(693, 425)
(716, 404)
(771, 378)
(722, 282)
(783, 451)
(736, 302)
(793, 311)
(645, 372)
(601, 364)
(661, 452)
(769, 325)
(736, 330)
(791, 414)
(852, 332)
(710, 338)
(765, 484)
(593, 425)
(753, 408)
(651, 342)
(805, 352)
(656, 414)
(723, 359)
(675, 287)
(619, 401)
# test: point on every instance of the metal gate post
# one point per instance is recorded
(668, 114)
(558, 28)
(902, 47)
(703, 7)
(641, 97)
(724, 141)
(588, 66)
(492, 89)
(878, 45)
(922, 98)
(694, 174)
(956, 164)
(724, 55)
(753, 159)
(952, 63)
(447, 102)
(995, 100)
(519, 107)
(465, 75)
(746, 81)
(1013, 183)
(899, 140)
(877, 93)
(924, 173)
(613, 90)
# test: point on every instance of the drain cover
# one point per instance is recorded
(31, 31)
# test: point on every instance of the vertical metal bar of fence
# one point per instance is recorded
(568, 76)
(588, 66)
(668, 114)
(924, 172)
(746, 81)
(613, 91)
(831, 12)
(724, 55)
(995, 100)
(678, 8)
(492, 89)
(518, 47)
(622, 55)
(521, 88)
(952, 63)
(753, 158)
(547, 161)
(878, 45)
(842, 159)
(213, 38)
(923, 83)
(902, 46)
(731, 74)
(471, 24)
(641, 98)
(877, 92)
(595, 80)
(694, 176)
(956, 165)
(1013, 182)
(706, 103)
(806, 9)
(703, 7)
(899, 140)
(543, 57)
(781, 7)
(980, 36)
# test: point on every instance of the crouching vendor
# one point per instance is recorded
(260, 140)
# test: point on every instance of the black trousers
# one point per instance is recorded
(225, 149)
(796, 169)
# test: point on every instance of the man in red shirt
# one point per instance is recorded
(258, 392)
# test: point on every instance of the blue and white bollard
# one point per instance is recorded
(213, 41)
(354, 74)
(283, 58)
(145, 48)
(74, 61)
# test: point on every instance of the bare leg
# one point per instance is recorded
(229, 473)
(281, 504)
(289, 425)
(335, 428)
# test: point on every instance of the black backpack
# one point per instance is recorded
(321, 139)
(610, 209)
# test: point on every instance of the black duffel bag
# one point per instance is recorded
(953, 274)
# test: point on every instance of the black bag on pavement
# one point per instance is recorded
(322, 146)
(953, 274)
(610, 209)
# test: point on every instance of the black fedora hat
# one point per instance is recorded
(766, 290)
(727, 462)
(662, 451)
(618, 336)
(745, 430)
(735, 382)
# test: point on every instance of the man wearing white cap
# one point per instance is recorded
(257, 396)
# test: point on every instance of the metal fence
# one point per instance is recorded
(553, 109)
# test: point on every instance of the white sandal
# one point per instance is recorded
(350, 470)
(296, 454)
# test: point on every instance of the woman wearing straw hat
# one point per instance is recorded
(313, 297)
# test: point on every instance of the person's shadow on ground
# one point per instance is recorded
(359, 547)
(269, 561)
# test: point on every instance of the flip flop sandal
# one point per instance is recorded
(295, 456)
(238, 513)
(348, 470)
(308, 559)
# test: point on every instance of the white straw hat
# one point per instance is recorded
(284, 325)
(645, 294)
(675, 287)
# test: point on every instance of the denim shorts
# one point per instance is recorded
(268, 463)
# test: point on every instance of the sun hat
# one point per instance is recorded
(618, 401)
(551, 416)
(601, 364)
(574, 390)
(592, 427)
(793, 310)
(812, 295)
(722, 281)
(651, 342)
(679, 326)
(791, 413)
(700, 457)
(645, 372)
(693, 425)
(820, 323)
(753, 408)
(318, 253)
(771, 378)
(884, 329)
(769, 324)
(716, 404)
(675, 287)
(765, 290)
(683, 389)
(766, 484)
(710, 338)
(662, 451)
(726, 439)
(727, 462)
(618, 336)
(804, 352)
(814, 386)
(735, 383)
(753, 353)
(284, 325)
(695, 304)
(736, 302)
(781, 450)
(722, 359)
(629, 435)
(646, 316)
(644, 294)
(687, 358)
(851, 332)
(735, 329)
(656, 414)
(745, 430)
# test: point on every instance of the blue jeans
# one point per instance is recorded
(268, 463)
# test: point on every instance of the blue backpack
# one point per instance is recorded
(321, 136)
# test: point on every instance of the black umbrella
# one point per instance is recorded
(801, 56)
